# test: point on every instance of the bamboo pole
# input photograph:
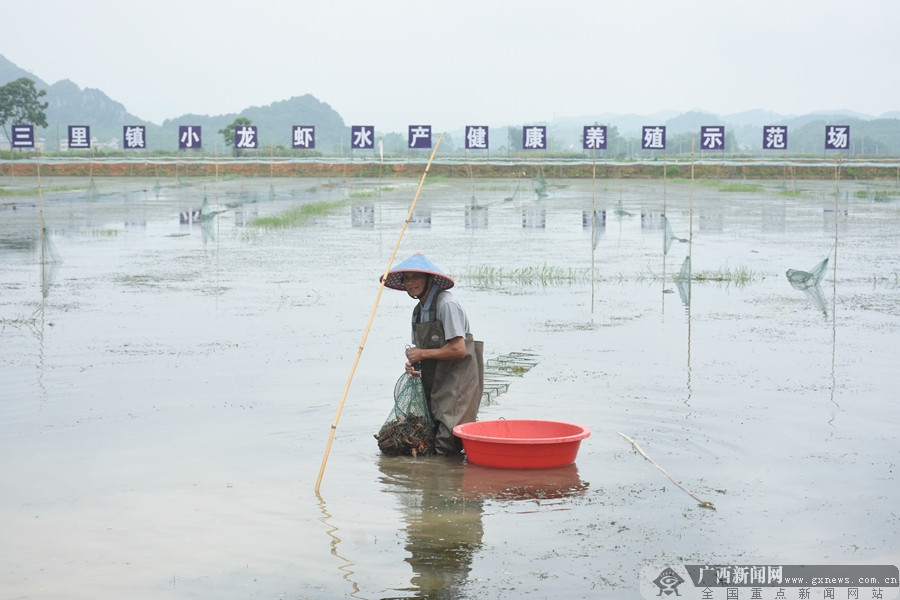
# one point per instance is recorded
(701, 503)
(665, 219)
(837, 206)
(691, 218)
(593, 220)
(362, 344)
(37, 156)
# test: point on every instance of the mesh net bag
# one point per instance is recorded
(803, 280)
(409, 428)
(669, 236)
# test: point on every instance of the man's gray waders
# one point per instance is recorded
(453, 388)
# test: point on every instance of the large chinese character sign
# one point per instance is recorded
(837, 137)
(476, 137)
(189, 137)
(774, 137)
(419, 136)
(653, 137)
(79, 137)
(133, 137)
(712, 137)
(534, 137)
(304, 137)
(594, 137)
(22, 136)
(245, 137)
(362, 137)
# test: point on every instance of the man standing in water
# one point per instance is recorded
(444, 352)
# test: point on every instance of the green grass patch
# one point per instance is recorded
(104, 232)
(299, 215)
(34, 191)
(876, 195)
(740, 275)
(485, 276)
(739, 187)
(370, 193)
(543, 275)
(730, 186)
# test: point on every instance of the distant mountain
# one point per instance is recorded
(274, 123)
(71, 105)
(691, 122)
(755, 118)
(628, 125)
(11, 72)
(870, 135)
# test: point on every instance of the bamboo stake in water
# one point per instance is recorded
(690, 272)
(362, 344)
(665, 219)
(37, 156)
(691, 218)
(837, 206)
(837, 199)
(593, 220)
(702, 503)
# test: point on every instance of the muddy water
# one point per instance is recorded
(169, 381)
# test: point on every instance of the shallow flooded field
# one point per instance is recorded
(171, 370)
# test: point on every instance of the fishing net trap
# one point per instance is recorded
(803, 280)
(409, 428)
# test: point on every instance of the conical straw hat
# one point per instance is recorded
(417, 263)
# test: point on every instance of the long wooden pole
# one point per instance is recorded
(362, 344)
(593, 221)
(701, 503)
(37, 156)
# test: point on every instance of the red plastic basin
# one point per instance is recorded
(521, 443)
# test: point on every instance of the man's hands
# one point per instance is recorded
(452, 350)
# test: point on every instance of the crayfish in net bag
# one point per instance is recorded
(409, 428)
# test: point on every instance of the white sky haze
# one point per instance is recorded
(395, 63)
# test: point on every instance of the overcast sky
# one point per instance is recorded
(393, 63)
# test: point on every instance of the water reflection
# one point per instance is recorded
(244, 214)
(522, 484)
(420, 219)
(652, 220)
(346, 564)
(774, 220)
(190, 217)
(476, 217)
(442, 503)
(596, 222)
(443, 527)
(834, 218)
(362, 216)
(711, 222)
(534, 218)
